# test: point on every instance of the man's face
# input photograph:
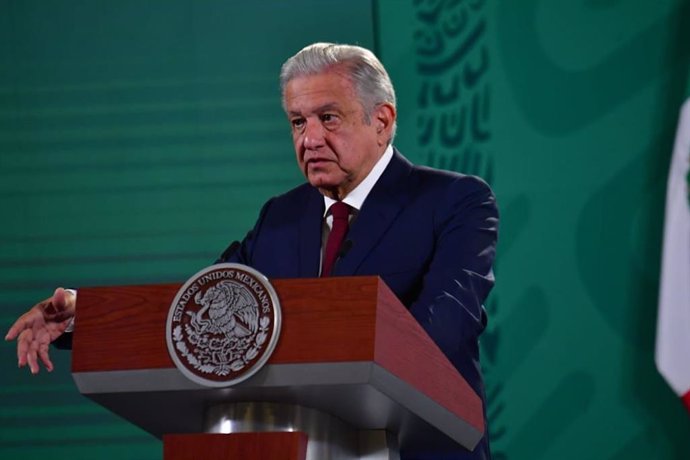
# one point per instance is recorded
(336, 147)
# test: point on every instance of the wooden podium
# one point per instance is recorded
(348, 350)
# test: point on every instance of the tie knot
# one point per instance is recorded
(340, 210)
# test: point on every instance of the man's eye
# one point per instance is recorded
(329, 118)
(298, 123)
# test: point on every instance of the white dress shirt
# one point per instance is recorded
(354, 199)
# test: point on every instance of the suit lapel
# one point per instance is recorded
(310, 234)
(379, 211)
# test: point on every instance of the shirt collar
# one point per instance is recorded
(355, 199)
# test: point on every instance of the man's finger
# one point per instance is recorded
(16, 328)
(25, 338)
(59, 299)
(45, 357)
(31, 357)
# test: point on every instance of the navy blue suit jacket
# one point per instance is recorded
(429, 234)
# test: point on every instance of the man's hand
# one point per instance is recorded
(36, 328)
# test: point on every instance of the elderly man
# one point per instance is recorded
(365, 210)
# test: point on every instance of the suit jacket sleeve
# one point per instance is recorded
(460, 276)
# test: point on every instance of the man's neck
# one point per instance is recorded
(355, 198)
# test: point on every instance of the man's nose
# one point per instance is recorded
(313, 134)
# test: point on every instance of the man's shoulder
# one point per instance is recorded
(300, 192)
(432, 175)
(442, 179)
(293, 201)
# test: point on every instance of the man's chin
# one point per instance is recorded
(325, 188)
(322, 181)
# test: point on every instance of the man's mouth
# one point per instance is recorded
(317, 162)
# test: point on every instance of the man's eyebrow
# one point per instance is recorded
(326, 107)
(320, 109)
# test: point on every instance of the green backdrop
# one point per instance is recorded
(138, 138)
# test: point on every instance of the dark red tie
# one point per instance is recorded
(340, 212)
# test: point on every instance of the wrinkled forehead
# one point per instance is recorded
(334, 80)
(319, 92)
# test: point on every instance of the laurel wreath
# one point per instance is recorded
(223, 369)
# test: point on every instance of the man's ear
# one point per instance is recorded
(384, 119)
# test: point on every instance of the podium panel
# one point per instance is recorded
(276, 446)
